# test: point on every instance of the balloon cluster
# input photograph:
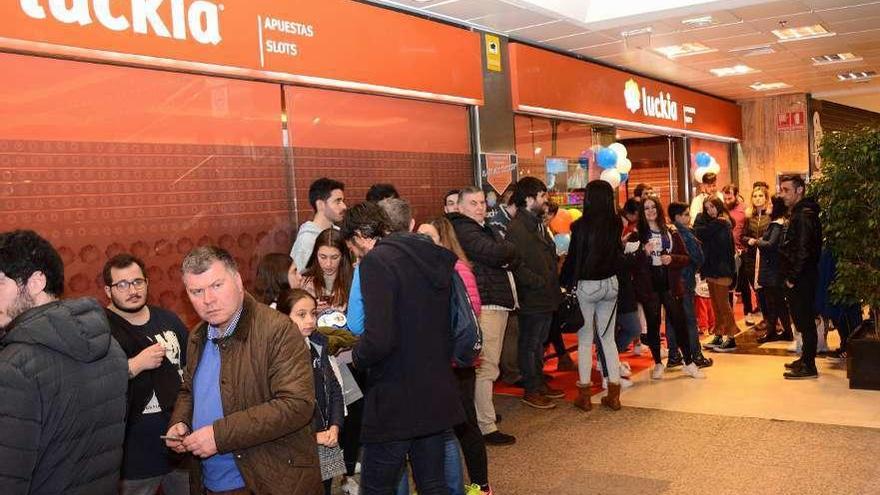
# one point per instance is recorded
(615, 164)
(706, 164)
(560, 225)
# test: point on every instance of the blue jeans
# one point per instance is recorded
(451, 465)
(533, 331)
(383, 463)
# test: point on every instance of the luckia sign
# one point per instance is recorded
(659, 106)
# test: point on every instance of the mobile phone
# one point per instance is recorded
(171, 437)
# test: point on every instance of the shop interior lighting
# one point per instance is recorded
(835, 58)
(736, 70)
(684, 50)
(802, 33)
(759, 86)
(698, 22)
(860, 75)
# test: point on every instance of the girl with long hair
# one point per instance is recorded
(657, 264)
(328, 273)
(714, 229)
(594, 256)
(756, 221)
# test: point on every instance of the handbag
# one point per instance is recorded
(571, 319)
(332, 462)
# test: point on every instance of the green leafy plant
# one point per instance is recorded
(848, 190)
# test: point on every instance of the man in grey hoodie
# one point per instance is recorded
(327, 197)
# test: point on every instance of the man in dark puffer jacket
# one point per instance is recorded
(62, 378)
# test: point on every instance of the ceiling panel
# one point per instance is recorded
(832, 4)
(771, 9)
(513, 19)
(554, 29)
(603, 50)
(781, 22)
(580, 41)
(746, 40)
(722, 31)
(850, 13)
(854, 26)
(470, 9)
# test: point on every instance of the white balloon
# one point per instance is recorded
(699, 173)
(619, 149)
(611, 176)
(624, 166)
(714, 167)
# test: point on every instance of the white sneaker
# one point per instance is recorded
(664, 352)
(638, 349)
(350, 486)
(657, 372)
(624, 383)
(693, 371)
(625, 370)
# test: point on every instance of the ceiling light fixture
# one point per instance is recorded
(857, 76)
(759, 86)
(835, 58)
(750, 51)
(684, 50)
(801, 33)
(736, 70)
(698, 22)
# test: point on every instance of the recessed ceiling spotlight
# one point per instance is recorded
(759, 86)
(698, 22)
(736, 70)
(684, 50)
(835, 58)
(801, 33)
(856, 76)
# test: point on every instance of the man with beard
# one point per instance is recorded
(154, 339)
(327, 198)
(537, 285)
(62, 379)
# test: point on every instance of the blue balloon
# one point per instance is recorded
(703, 159)
(624, 177)
(606, 158)
(562, 241)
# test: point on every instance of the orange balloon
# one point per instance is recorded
(561, 223)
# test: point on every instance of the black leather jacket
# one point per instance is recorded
(801, 241)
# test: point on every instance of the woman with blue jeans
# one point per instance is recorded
(594, 257)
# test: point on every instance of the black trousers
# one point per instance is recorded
(675, 309)
(802, 303)
(777, 309)
(350, 440)
(469, 436)
(555, 337)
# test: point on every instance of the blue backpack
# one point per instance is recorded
(466, 336)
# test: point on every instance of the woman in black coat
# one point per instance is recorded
(714, 228)
(768, 275)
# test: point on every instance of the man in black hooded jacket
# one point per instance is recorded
(799, 260)
(62, 379)
(412, 396)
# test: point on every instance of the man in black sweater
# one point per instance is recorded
(405, 350)
(537, 284)
(799, 260)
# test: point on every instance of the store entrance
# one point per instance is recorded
(657, 161)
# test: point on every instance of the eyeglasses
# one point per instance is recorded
(124, 285)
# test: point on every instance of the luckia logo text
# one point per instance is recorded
(660, 106)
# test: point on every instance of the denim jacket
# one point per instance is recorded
(695, 251)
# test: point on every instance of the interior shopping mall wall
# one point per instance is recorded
(770, 147)
(102, 159)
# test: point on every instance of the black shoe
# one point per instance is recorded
(674, 362)
(729, 345)
(498, 438)
(836, 356)
(786, 335)
(715, 342)
(794, 364)
(497, 418)
(770, 336)
(703, 362)
(801, 372)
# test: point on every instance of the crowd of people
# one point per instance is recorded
(340, 360)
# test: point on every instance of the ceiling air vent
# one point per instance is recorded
(751, 51)
(857, 76)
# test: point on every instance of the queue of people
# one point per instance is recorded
(339, 360)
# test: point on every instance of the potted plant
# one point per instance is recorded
(848, 190)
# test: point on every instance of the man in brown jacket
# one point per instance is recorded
(245, 407)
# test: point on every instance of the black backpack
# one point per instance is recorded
(466, 336)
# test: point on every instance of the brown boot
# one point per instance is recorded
(583, 398)
(612, 399)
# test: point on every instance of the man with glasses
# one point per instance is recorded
(154, 339)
